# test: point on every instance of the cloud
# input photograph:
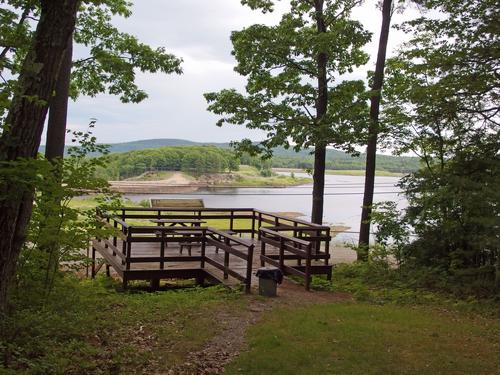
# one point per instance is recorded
(198, 31)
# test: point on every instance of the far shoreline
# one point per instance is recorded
(344, 172)
(178, 182)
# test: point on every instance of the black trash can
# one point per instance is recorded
(269, 277)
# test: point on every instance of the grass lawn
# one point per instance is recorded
(86, 327)
(91, 327)
(359, 338)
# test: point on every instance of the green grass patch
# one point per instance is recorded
(87, 327)
(378, 284)
(359, 338)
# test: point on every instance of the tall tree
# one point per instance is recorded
(58, 112)
(23, 127)
(291, 69)
(110, 66)
(442, 104)
(373, 130)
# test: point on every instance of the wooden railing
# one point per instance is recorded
(232, 215)
(125, 235)
(257, 218)
(227, 243)
(293, 248)
(295, 239)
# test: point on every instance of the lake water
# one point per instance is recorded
(342, 204)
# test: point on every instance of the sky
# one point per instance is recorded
(198, 31)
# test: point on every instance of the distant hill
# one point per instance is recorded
(155, 143)
(152, 143)
(282, 157)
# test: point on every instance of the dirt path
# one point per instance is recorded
(176, 183)
(177, 179)
(230, 340)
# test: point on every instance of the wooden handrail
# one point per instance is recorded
(153, 228)
(289, 238)
(208, 209)
(121, 222)
(316, 226)
(238, 240)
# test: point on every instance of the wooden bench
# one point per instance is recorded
(176, 203)
(196, 242)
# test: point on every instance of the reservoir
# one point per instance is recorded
(342, 201)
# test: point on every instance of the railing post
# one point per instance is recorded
(282, 254)
(260, 225)
(231, 221)
(203, 247)
(128, 255)
(308, 266)
(226, 259)
(327, 247)
(248, 280)
(115, 240)
(253, 224)
(262, 251)
(299, 260)
(124, 243)
(162, 250)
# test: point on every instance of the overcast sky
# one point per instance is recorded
(198, 31)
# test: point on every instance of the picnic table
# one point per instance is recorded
(181, 223)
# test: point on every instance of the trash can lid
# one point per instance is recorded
(270, 273)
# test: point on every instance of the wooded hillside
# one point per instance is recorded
(191, 159)
(133, 158)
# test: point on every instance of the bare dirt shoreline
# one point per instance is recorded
(179, 183)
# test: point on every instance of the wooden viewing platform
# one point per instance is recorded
(138, 248)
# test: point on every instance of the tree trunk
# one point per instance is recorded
(24, 126)
(371, 150)
(321, 108)
(318, 184)
(50, 205)
(58, 112)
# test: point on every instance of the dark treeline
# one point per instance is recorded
(338, 161)
(212, 159)
(282, 158)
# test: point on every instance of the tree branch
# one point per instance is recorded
(23, 18)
